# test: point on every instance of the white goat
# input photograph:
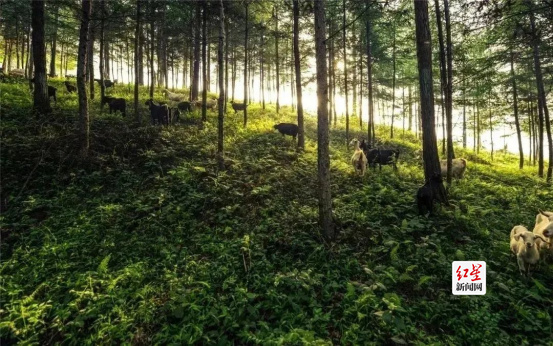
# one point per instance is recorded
(544, 228)
(458, 167)
(358, 159)
(173, 96)
(523, 245)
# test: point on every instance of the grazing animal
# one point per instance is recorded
(107, 83)
(523, 245)
(358, 159)
(238, 106)
(184, 106)
(52, 93)
(17, 73)
(458, 167)
(210, 104)
(70, 87)
(365, 146)
(118, 104)
(174, 96)
(287, 129)
(382, 157)
(544, 228)
(51, 90)
(425, 194)
(106, 99)
(159, 114)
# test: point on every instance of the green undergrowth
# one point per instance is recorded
(145, 241)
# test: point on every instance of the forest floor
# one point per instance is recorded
(145, 242)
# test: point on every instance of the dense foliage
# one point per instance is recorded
(147, 242)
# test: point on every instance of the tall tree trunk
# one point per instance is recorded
(464, 114)
(102, 51)
(360, 86)
(54, 42)
(29, 72)
(543, 111)
(196, 71)
(424, 57)
(345, 68)
(449, 92)
(262, 65)
(330, 74)
(152, 48)
(301, 139)
(325, 199)
(107, 74)
(222, 96)
(370, 124)
(479, 144)
(393, 83)
(233, 70)
(81, 73)
(204, 61)
(277, 61)
(90, 60)
(41, 101)
(246, 66)
(208, 61)
(490, 119)
(515, 110)
(410, 123)
(226, 63)
(137, 57)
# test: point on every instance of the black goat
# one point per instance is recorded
(425, 194)
(184, 106)
(159, 114)
(118, 104)
(382, 157)
(106, 99)
(52, 93)
(287, 129)
(107, 83)
(70, 87)
(238, 106)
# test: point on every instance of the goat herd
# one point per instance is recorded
(526, 245)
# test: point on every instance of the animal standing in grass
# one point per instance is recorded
(458, 168)
(70, 87)
(544, 228)
(287, 129)
(237, 106)
(425, 194)
(174, 96)
(523, 245)
(358, 159)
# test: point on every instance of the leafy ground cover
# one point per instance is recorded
(145, 242)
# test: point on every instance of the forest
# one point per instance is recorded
(281, 172)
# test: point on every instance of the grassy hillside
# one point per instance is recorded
(145, 242)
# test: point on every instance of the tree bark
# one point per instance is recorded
(222, 96)
(90, 59)
(246, 67)
(325, 199)
(301, 139)
(345, 68)
(204, 61)
(41, 101)
(102, 51)
(424, 57)
(277, 61)
(84, 120)
(196, 71)
(370, 124)
(449, 92)
(515, 110)
(393, 83)
(54, 43)
(543, 111)
(152, 48)
(137, 56)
